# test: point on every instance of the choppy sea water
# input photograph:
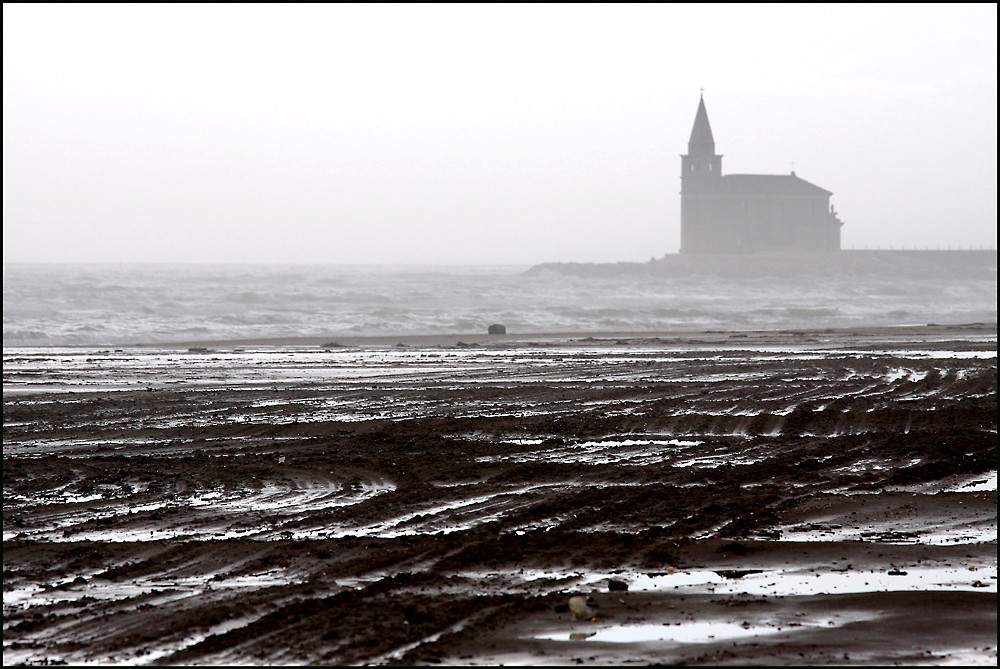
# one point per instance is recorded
(105, 305)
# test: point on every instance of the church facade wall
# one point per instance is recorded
(747, 223)
(748, 213)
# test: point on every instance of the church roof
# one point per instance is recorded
(769, 184)
(701, 134)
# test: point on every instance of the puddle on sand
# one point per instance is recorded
(983, 483)
(790, 583)
(959, 657)
(683, 633)
(170, 588)
(974, 532)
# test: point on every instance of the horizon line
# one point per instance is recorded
(482, 264)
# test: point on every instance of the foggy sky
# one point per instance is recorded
(479, 134)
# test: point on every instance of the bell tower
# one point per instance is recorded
(701, 181)
(701, 161)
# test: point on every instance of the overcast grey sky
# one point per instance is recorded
(479, 134)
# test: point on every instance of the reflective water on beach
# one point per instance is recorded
(684, 632)
(192, 478)
(835, 580)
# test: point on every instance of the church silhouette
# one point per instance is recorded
(748, 213)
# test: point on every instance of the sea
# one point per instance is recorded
(134, 304)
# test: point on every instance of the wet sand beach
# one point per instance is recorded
(759, 497)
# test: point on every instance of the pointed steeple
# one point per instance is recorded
(701, 161)
(701, 141)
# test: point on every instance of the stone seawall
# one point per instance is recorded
(903, 264)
